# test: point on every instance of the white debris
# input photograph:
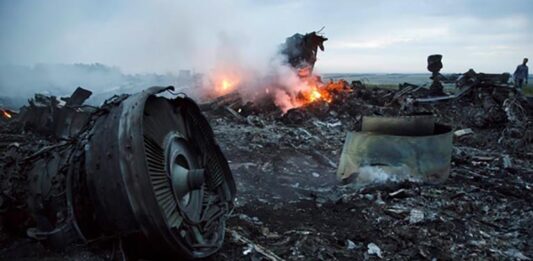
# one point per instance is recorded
(416, 216)
(249, 248)
(373, 249)
(459, 133)
(383, 174)
(379, 201)
(350, 245)
(506, 161)
(515, 254)
(316, 175)
(335, 124)
(374, 174)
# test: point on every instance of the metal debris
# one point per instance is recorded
(373, 249)
(396, 149)
(141, 166)
(416, 216)
(301, 50)
(252, 246)
(463, 132)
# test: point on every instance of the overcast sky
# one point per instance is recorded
(364, 36)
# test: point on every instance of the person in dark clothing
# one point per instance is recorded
(520, 75)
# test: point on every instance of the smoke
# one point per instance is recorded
(289, 86)
(137, 36)
(61, 80)
(129, 39)
(383, 174)
(238, 69)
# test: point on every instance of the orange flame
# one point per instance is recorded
(225, 85)
(306, 89)
(315, 95)
(6, 114)
(318, 91)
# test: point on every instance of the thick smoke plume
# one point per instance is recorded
(137, 44)
(269, 76)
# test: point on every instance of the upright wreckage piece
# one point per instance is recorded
(434, 66)
(397, 148)
(301, 50)
(142, 166)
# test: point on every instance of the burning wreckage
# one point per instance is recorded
(422, 174)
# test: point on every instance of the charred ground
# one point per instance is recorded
(290, 203)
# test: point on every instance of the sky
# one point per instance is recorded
(366, 36)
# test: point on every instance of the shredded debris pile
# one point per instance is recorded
(291, 207)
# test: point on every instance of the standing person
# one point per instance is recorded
(520, 74)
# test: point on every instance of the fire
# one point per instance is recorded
(294, 89)
(225, 85)
(315, 95)
(317, 91)
(304, 72)
(308, 91)
(6, 114)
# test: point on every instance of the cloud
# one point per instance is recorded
(380, 39)
(165, 36)
(371, 44)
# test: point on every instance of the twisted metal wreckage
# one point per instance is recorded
(141, 166)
